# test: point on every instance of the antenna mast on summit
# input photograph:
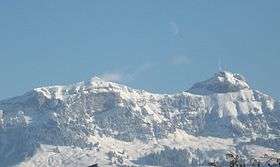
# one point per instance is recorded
(220, 64)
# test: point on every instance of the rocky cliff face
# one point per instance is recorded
(84, 114)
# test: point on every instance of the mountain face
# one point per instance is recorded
(114, 125)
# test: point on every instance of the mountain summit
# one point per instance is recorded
(114, 125)
(222, 82)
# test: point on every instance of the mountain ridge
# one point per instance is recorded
(223, 108)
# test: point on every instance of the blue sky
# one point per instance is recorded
(161, 46)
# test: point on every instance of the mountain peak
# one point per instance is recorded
(93, 80)
(221, 82)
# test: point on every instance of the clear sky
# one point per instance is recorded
(161, 46)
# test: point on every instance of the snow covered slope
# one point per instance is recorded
(114, 125)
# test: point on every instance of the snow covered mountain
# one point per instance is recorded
(114, 125)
